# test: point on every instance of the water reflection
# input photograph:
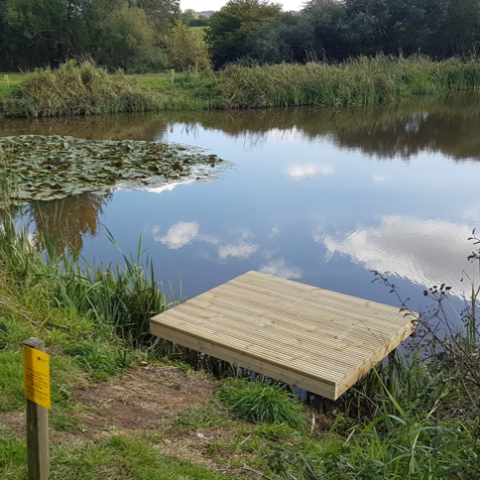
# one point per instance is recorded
(279, 269)
(181, 234)
(101, 127)
(426, 252)
(448, 125)
(299, 171)
(68, 220)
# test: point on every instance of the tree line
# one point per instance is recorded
(333, 30)
(136, 35)
(152, 35)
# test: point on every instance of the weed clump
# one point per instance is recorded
(99, 357)
(261, 402)
(76, 90)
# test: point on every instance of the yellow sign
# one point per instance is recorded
(171, 71)
(36, 376)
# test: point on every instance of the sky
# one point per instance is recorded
(203, 5)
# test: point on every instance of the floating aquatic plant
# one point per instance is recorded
(52, 168)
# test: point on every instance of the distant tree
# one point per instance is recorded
(459, 33)
(189, 15)
(229, 28)
(332, 37)
(184, 48)
(391, 26)
(290, 38)
(127, 39)
(116, 33)
(162, 13)
(202, 21)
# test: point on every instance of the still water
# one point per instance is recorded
(320, 196)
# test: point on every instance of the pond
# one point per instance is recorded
(320, 196)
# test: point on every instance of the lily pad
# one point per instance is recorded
(55, 167)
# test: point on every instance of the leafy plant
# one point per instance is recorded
(261, 402)
(98, 357)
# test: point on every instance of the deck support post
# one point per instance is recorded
(392, 360)
(318, 403)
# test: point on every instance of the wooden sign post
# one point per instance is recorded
(36, 374)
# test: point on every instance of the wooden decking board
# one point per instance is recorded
(320, 356)
(281, 320)
(295, 338)
(323, 357)
(310, 309)
(309, 316)
(301, 292)
(300, 342)
(327, 304)
(314, 338)
(297, 363)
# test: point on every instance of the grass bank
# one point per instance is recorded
(90, 90)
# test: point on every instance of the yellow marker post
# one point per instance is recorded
(7, 80)
(172, 71)
(36, 374)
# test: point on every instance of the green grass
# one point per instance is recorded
(213, 414)
(118, 458)
(15, 80)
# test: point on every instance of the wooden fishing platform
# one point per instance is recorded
(313, 338)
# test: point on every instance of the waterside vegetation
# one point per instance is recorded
(87, 89)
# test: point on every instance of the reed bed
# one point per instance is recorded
(87, 89)
(357, 81)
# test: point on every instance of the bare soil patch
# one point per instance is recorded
(141, 400)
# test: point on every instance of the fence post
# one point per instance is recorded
(37, 389)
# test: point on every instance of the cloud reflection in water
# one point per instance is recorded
(300, 171)
(239, 251)
(426, 252)
(278, 269)
(179, 235)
